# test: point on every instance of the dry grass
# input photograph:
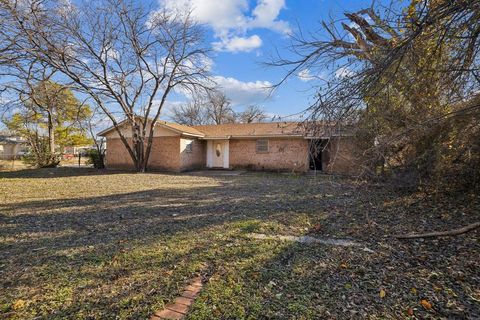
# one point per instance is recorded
(81, 243)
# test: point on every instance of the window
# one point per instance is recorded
(262, 146)
(189, 147)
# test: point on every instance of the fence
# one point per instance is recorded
(14, 162)
(11, 161)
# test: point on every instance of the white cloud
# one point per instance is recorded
(266, 13)
(243, 93)
(232, 19)
(305, 75)
(344, 72)
(238, 44)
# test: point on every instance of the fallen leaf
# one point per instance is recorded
(382, 293)
(410, 311)
(427, 305)
(19, 304)
(344, 266)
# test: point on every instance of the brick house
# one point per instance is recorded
(274, 146)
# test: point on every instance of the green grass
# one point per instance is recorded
(80, 243)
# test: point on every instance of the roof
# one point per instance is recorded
(179, 128)
(6, 140)
(251, 129)
(242, 130)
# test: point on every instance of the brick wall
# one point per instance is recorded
(282, 155)
(165, 154)
(342, 156)
(196, 159)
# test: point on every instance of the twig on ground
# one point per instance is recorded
(454, 232)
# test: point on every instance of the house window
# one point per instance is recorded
(262, 146)
(189, 147)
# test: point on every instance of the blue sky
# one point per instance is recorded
(244, 33)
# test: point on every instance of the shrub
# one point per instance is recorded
(95, 158)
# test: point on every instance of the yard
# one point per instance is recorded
(87, 244)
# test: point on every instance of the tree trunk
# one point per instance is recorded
(138, 148)
(51, 135)
(51, 140)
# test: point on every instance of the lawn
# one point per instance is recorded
(87, 244)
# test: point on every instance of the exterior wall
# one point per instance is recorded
(9, 151)
(165, 154)
(342, 156)
(127, 132)
(196, 158)
(282, 155)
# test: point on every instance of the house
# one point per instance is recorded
(11, 146)
(274, 146)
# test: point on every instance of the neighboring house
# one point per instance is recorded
(11, 147)
(274, 146)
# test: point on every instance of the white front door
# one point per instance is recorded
(218, 154)
(218, 151)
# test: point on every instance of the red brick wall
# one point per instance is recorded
(342, 156)
(165, 154)
(196, 159)
(283, 155)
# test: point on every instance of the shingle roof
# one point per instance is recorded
(240, 130)
(250, 129)
(180, 127)
(169, 125)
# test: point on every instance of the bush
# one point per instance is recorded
(42, 159)
(96, 158)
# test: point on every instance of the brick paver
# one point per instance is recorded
(179, 308)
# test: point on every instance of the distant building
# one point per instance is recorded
(11, 146)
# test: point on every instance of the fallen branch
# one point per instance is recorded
(454, 232)
(308, 240)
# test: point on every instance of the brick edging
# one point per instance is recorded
(179, 308)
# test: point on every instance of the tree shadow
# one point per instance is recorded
(60, 243)
(59, 172)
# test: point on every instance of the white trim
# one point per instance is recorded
(226, 154)
(209, 154)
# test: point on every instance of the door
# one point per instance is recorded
(218, 154)
(317, 154)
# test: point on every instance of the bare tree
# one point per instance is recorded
(191, 113)
(125, 57)
(252, 113)
(218, 108)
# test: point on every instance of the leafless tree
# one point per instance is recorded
(218, 108)
(127, 58)
(191, 113)
(252, 113)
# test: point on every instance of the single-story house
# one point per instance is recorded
(272, 146)
(11, 147)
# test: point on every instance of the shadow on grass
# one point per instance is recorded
(124, 254)
(60, 172)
